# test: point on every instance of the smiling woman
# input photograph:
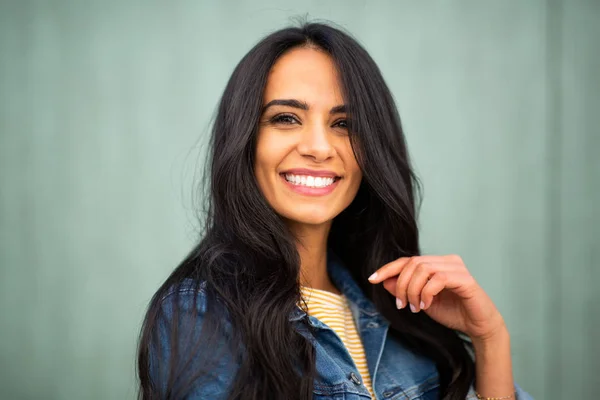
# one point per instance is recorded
(299, 286)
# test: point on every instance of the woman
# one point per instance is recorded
(308, 282)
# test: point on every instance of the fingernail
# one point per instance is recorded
(422, 305)
(374, 276)
(412, 308)
(399, 304)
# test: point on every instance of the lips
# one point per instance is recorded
(311, 172)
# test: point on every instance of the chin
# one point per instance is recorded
(309, 218)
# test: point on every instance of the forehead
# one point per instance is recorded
(305, 74)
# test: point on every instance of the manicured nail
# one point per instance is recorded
(422, 305)
(412, 308)
(374, 276)
(399, 304)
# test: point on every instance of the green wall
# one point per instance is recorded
(104, 116)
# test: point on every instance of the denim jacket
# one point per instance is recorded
(396, 373)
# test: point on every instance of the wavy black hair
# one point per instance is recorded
(247, 260)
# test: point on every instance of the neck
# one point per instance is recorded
(312, 248)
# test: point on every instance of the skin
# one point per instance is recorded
(440, 286)
(313, 139)
(443, 288)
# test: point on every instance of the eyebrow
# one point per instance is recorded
(301, 105)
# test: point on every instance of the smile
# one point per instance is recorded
(309, 181)
(310, 185)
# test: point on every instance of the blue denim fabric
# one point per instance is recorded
(396, 372)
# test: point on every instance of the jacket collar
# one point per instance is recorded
(343, 280)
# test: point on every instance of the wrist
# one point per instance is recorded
(492, 348)
(493, 365)
(495, 338)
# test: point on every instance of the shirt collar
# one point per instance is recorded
(343, 280)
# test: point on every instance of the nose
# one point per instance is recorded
(316, 143)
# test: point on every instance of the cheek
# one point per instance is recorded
(269, 153)
(352, 166)
(263, 153)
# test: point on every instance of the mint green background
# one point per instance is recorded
(104, 116)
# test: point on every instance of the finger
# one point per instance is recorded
(403, 281)
(433, 287)
(395, 267)
(390, 285)
(398, 286)
(421, 275)
(390, 269)
(454, 280)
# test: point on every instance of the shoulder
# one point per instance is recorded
(186, 294)
(191, 300)
(192, 341)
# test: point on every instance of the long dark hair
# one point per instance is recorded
(247, 261)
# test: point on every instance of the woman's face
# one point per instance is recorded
(305, 166)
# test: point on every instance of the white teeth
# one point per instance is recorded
(310, 181)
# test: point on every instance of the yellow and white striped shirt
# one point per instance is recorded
(333, 310)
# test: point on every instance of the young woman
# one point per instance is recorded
(308, 282)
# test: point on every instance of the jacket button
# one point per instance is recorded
(372, 325)
(354, 378)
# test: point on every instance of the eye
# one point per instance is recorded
(342, 124)
(285, 119)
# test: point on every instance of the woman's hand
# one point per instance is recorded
(444, 289)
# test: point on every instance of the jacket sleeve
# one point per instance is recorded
(183, 363)
(520, 394)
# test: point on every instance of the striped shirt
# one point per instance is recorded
(333, 310)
